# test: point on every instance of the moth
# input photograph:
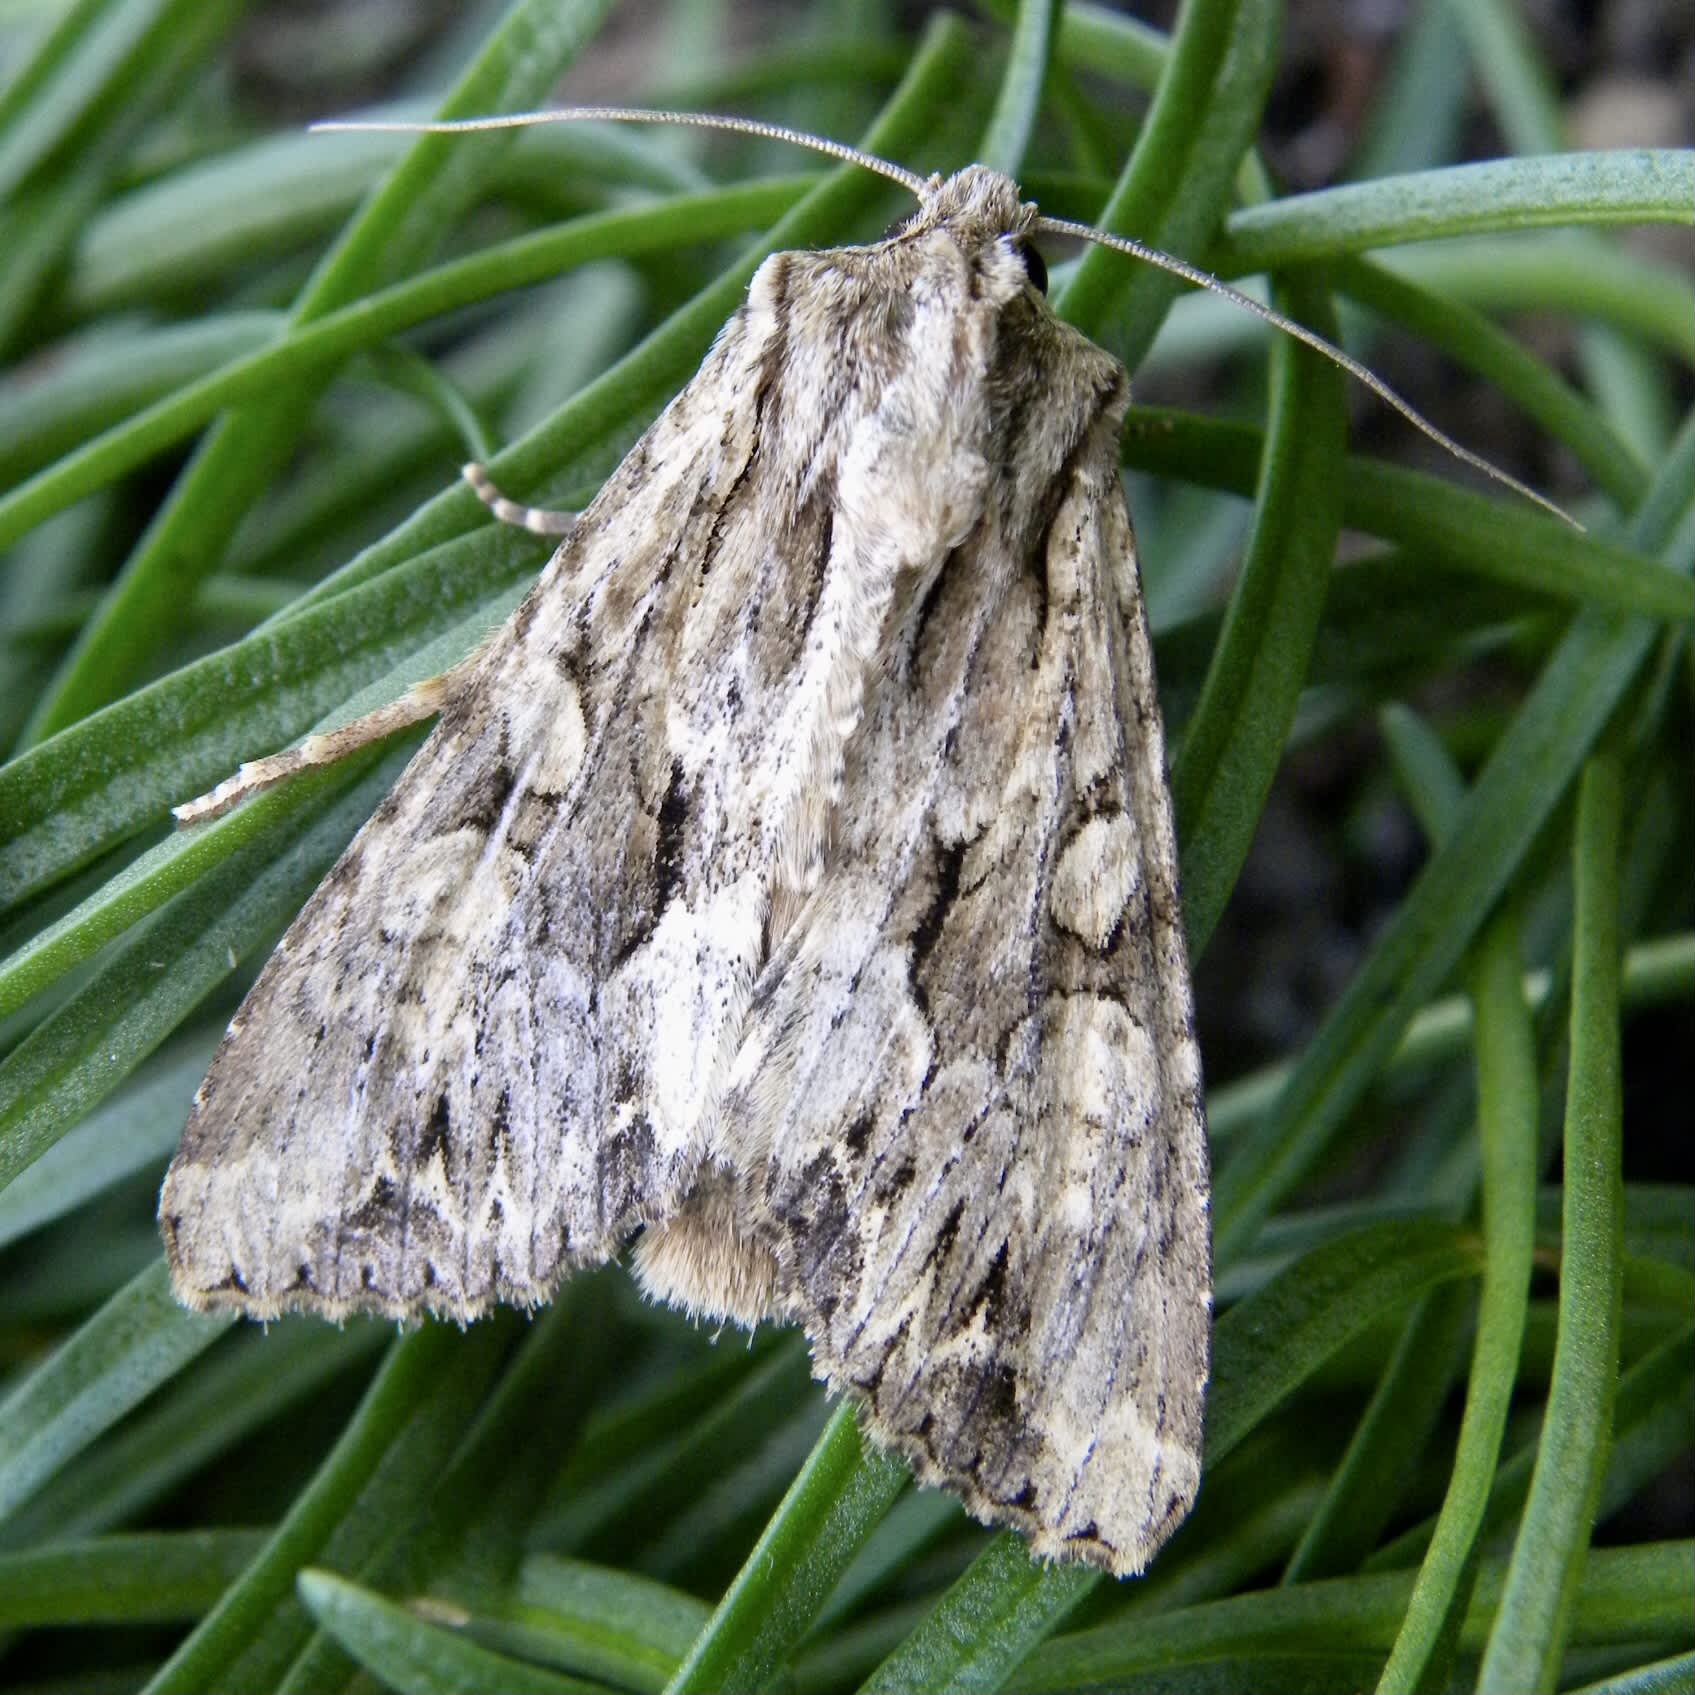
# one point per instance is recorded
(790, 886)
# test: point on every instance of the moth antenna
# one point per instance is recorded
(1361, 373)
(919, 187)
(909, 180)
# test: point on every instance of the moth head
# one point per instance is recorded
(978, 211)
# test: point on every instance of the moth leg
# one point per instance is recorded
(538, 520)
(421, 701)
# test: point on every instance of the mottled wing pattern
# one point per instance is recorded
(971, 1066)
(793, 875)
(478, 1057)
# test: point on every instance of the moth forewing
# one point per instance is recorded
(791, 880)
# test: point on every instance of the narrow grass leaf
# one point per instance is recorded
(96, 784)
(77, 1056)
(617, 1626)
(1176, 186)
(1675, 1676)
(1628, 1594)
(135, 1129)
(1452, 527)
(842, 1492)
(140, 1578)
(424, 1370)
(137, 1341)
(986, 1623)
(304, 355)
(1383, 1453)
(1266, 1345)
(409, 1654)
(1019, 101)
(1507, 1097)
(1615, 186)
(422, 196)
(1530, 1632)
(196, 1415)
(98, 379)
(1464, 334)
(1233, 742)
(1529, 770)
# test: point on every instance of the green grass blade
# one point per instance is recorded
(132, 1131)
(1233, 742)
(425, 1382)
(1366, 1489)
(196, 1416)
(842, 1492)
(100, 378)
(137, 1341)
(1175, 189)
(1469, 337)
(1530, 1632)
(93, 786)
(985, 1624)
(1654, 302)
(1268, 1344)
(57, 44)
(409, 1654)
(1502, 540)
(1628, 1594)
(74, 1058)
(480, 1506)
(81, 80)
(1627, 186)
(1675, 1676)
(1507, 1090)
(309, 349)
(590, 1619)
(155, 1575)
(1018, 104)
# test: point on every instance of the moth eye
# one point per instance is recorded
(1034, 265)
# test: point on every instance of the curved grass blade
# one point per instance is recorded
(1018, 104)
(1622, 186)
(1175, 189)
(396, 1442)
(1233, 742)
(137, 1341)
(1530, 1633)
(838, 1499)
(141, 1578)
(410, 1654)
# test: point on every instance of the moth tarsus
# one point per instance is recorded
(538, 520)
